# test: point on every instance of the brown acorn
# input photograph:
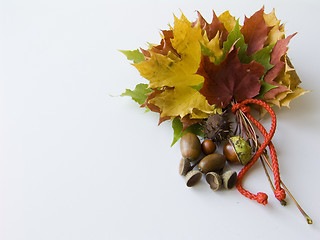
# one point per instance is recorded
(190, 146)
(212, 163)
(208, 146)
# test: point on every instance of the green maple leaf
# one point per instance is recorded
(235, 38)
(265, 87)
(263, 57)
(178, 127)
(134, 55)
(139, 94)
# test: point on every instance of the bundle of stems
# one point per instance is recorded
(245, 129)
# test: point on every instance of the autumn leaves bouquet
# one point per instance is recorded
(202, 70)
(199, 69)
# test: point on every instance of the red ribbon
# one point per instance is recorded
(279, 192)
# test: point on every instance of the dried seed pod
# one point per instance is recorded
(212, 163)
(190, 146)
(237, 150)
(193, 177)
(184, 166)
(214, 180)
(208, 146)
(217, 127)
(229, 179)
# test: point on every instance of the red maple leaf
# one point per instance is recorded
(278, 51)
(212, 28)
(164, 47)
(229, 80)
(255, 32)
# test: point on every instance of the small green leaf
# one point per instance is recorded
(235, 37)
(134, 55)
(177, 130)
(197, 87)
(263, 57)
(206, 51)
(139, 94)
(265, 87)
(178, 127)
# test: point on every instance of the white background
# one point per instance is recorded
(79, 164)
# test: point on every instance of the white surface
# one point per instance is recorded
(78, 164)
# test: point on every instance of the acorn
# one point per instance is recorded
(214, 180)
(190, 146)
(229, 179)
(208, 146)
(212, 163)
(193, 177)
(237, 150)
(184, 166)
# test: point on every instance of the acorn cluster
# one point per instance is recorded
(209, 163)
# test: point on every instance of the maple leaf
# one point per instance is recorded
(263, 57)
(212, 48)
(175, 74)
(181, 101)
(228, 21)
(290, 79)
(278, 52)
(165, 46)
(134, 55)
(213, 28)
(230, 80)
(139, 94)
(153, 107)
(277, 31)
(255, 31)
(235, 39)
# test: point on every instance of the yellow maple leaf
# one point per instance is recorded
(178, 73)
(181, 101)
(213, 45)
(277, 31)
(228, 21)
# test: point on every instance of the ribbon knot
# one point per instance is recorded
(280, 194)
(262, 198)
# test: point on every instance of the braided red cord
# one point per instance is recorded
(279, 192)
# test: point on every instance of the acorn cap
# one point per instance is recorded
(229, 179)
(184, 166)
(242, 149)
(193, 177)
(214, 180)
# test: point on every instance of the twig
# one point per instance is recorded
(282, 202)
(306, 216)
